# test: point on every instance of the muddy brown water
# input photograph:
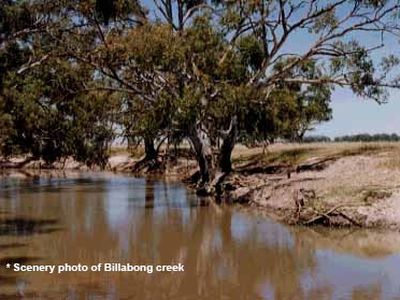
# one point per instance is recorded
(227, 253)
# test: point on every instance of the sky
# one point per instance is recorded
(352, 115)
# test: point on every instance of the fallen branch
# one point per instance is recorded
(324, 215)
(350, 219)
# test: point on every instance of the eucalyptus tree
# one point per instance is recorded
(265, 50)
(86, 32)
(77, 34)
(16, 23)
(46, 109)
(278, 41)
(339, 38)
(310, 103)
(50, 119)
(160, 70)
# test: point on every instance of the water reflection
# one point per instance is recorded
(228, 254)
(26, 226)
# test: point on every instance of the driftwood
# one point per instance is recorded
(321, 215)
(302, 199)
(331, 213)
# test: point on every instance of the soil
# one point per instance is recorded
(360, 190)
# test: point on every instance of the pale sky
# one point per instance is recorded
(353, 115)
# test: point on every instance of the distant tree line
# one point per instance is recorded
(316, 139)
(363, 137)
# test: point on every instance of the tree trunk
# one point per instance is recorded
(228, 143)
(199, 147)
(150, 150)
(300, 137)
(150, 159)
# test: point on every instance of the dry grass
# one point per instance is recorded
(136, 152)
(117, 150)
(293, 154)
(362, 195)
(392, 162)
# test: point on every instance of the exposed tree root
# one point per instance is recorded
(152, 165)
(307, 214)
(16, 165)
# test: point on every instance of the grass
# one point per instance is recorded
(118, 151)
(273, 156)
(294, 154)
(365, 195)
(133, 152)
(369, 149)
(288, 157)
(391, 162)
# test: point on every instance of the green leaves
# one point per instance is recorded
(251, 52)
(14, 16)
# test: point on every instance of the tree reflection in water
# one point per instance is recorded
(227, 253)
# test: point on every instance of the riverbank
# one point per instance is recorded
(345, 184)
(120, 160)
(335, 184)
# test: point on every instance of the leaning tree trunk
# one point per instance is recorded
(228, 143)
(199, 147)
